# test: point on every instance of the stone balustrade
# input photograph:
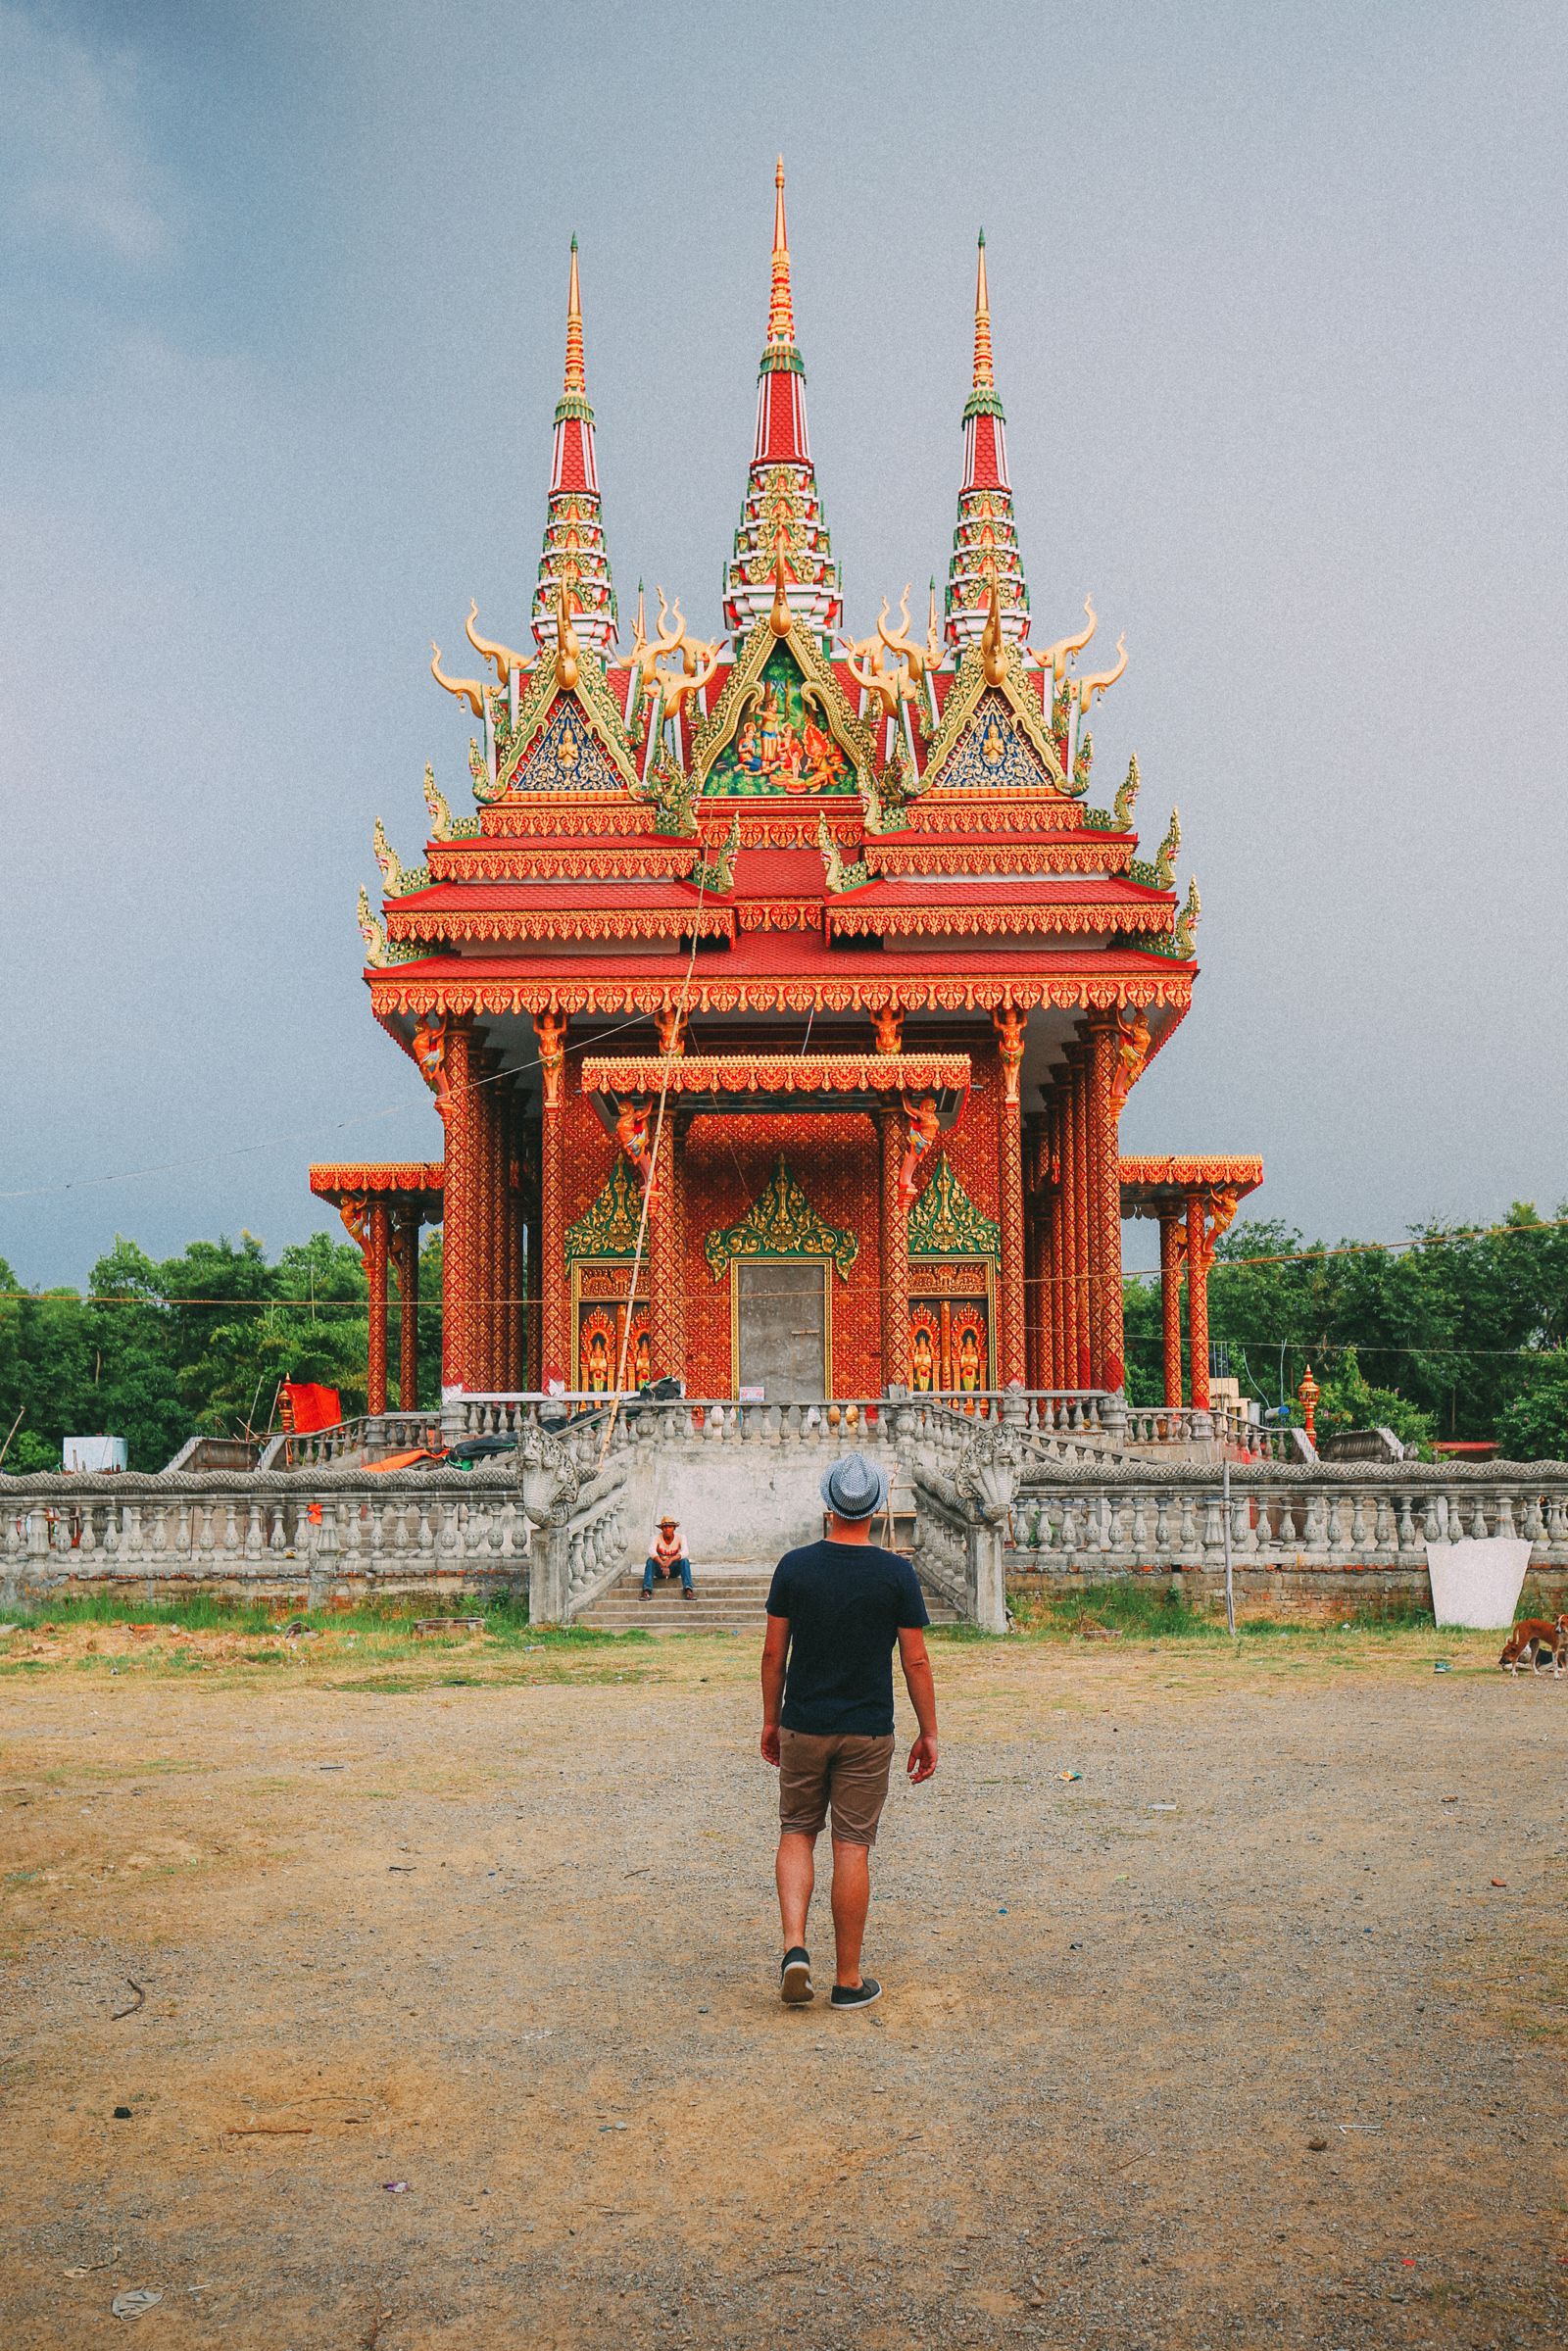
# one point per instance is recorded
(1287, 1520)
(336, 1529)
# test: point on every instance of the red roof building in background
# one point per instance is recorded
(780, 997)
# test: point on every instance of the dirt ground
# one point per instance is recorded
(453, 2016)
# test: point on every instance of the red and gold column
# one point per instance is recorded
(557, 1348)
(377, 1234)
(666, 1304)
(1170, 1303)
(1104, 1198)
(406, 1260)
(487, 1294)
(462, 1211)
(1080, 1285)
(1197, 1300)
(1010, 1356)
(894, 1246)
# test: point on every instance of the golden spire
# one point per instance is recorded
(984, 380)
(780, 305)
(576, 378)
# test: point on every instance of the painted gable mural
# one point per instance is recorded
(781, 744)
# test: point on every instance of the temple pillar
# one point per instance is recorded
(462, 1220)
(1197, 1301)
(1033, 1328)
(1170, 1303)
(405, 1259)
(377, 1235)
(666, 1299)
(533, 1333)
(1104, 1202)
(1010, 1306)
(557, 1340)
(894, 1249)
(1082, 1287)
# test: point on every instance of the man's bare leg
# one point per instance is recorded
(796, 1872)
(852, 1897)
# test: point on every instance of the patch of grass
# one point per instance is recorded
(1158, 1613)
(192, 1611)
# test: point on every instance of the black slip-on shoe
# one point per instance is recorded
(795, 1977)
(856, 1996)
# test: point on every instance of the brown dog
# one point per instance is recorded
(1532, 1639)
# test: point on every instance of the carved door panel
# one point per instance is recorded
(781, 1328)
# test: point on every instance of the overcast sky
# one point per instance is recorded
(1278, 306)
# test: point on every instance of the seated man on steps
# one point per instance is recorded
(835, 1611)
(667, 1556)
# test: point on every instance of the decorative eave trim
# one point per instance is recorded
(394, 992)
(331, 1177)
(522, 925)
(779, 914)
(719, 726)
(968, 809)
(1180, 1174)
(850, 921)
(897, 854)
(963, 699)
(594, 698)
(775, 1073)
(648, 861)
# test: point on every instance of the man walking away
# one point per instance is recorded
(834, 1612)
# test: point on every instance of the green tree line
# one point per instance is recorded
(159, 1351)
(1461, 1334)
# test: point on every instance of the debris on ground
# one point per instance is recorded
(131, 2305)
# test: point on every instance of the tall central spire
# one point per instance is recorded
(781, 302)
(574, 556)
(781, 516)
(985, 542)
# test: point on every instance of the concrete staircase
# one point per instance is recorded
(730, 1598)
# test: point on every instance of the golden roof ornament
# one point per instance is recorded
(993, 648)
(502, 656)
(1086, 688)
(1165, 859)
(778, 620)
(467, 689)
(568, 648)
(435, 800)
(1057, 657)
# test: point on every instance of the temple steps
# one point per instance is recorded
(726, 1599)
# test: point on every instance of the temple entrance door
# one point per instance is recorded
(781, 1329)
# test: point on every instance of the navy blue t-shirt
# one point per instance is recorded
(845, 1602)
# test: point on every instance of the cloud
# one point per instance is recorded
(72, 159)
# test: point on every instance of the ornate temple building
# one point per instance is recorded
(781, 994)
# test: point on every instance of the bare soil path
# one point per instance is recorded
(1233, 2040)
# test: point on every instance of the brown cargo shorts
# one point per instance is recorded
(843, 1771)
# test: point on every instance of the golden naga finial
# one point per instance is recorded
(889, 687)
(502, 656)
(1165, 857)
(993, 649)
(645, 653)
(698, 663)
(373, 932)
(919, 658)
(387, 857)
(435, 800)
(1057, 657)
(780, 619)
(467, 689)
(1086, 688)
(1187, 920)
